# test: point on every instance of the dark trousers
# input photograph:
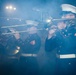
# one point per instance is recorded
(66, 66)
(29, 66)
(50, 64)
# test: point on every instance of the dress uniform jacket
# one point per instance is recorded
(66, 62)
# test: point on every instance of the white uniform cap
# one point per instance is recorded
(68, 7)
(31, 22)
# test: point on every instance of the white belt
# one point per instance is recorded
(65, 56)
(29, 55)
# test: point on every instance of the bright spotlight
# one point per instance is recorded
(7, 7)
(10, 7)
(14, 8)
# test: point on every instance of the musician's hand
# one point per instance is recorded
(52, 31)
(32, 42)
(17, 35)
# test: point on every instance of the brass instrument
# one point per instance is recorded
(69, 22)
(19, 32)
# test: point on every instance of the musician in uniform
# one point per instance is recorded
(14, 43)
(33, 42)
(50, 49)
(30, 51)
(66, 51)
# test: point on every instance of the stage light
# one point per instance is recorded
(14, 8)
(10, 7)
(7, 7)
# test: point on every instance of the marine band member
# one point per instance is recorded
(67, 42)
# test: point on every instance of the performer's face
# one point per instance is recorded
(61, 25)
(69, 16)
